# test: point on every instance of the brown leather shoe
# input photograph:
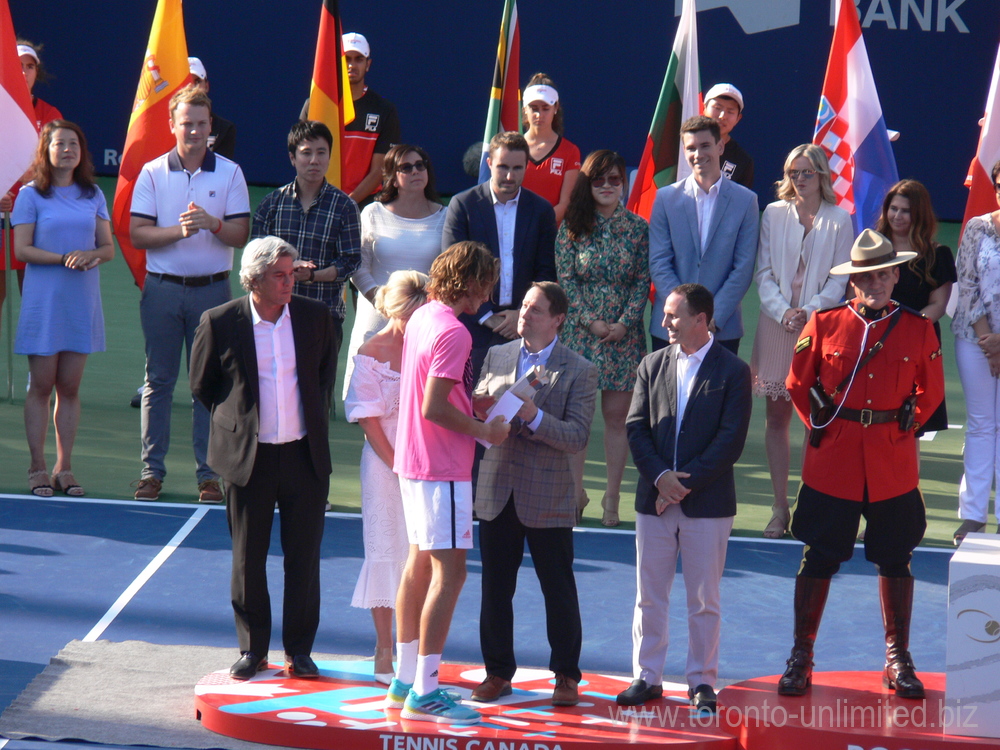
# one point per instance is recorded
(210, 493)
(148, 488)
(491, 688)
(565, 693)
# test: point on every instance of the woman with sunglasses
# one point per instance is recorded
(554, 162)
(400, 231)
(976, 325)
(602, 256)
(802, 236)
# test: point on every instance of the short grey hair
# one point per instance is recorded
(259, 255)
(403, 293)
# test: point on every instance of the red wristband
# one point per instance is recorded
(216, 231)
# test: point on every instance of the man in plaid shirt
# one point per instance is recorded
(317, 219)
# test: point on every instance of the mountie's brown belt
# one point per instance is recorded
(868, 416)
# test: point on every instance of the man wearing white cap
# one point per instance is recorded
(864, 376)
(724, 103)
(222, 138)
(374, 130)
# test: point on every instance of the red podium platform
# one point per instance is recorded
(342, 710)
(844, 711)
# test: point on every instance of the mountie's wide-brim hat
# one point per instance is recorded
(871, 251)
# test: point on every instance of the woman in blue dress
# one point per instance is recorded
(62, 232)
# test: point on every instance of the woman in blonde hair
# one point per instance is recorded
(373, 402)
(802, 236)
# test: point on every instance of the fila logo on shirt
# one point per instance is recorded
(371, 122)
(556, 166)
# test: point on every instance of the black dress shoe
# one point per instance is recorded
(703, 698)
(639, 692)
(248, 665)
(301, 666)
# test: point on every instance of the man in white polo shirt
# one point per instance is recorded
(189, 210)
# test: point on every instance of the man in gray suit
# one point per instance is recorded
(686, 428)
(526, 491)
(704, 230)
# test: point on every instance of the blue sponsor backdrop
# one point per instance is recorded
(434, 59)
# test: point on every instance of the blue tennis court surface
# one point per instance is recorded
(121, 570)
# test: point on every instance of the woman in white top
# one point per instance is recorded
(400, 231)
(373, 402)
(802, 236)
(976, 325)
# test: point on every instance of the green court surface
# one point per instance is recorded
(106, 456)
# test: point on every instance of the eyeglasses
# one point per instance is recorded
(806, 174)
(614, 180)
(406, 167)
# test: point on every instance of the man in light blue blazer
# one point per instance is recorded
(703, 230)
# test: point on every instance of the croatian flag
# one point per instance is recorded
(17, 116)
(849, 125)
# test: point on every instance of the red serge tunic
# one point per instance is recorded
(851, 455)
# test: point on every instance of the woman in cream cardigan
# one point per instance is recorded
(802, 236)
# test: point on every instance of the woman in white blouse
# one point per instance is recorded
(976, 325)
(802, 236)
(400, 231)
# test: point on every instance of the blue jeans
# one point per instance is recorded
(170, 313)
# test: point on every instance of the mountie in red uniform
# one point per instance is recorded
(852, 456)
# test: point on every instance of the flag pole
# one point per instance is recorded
(8, 244)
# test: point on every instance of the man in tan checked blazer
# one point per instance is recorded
(526, 492)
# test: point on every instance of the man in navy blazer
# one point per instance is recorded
(704, 230)
(519, 228)
(686, 428)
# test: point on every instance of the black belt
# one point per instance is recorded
(869, 416)
(190, 280)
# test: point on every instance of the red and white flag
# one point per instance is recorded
(17, 116)
(982, 194)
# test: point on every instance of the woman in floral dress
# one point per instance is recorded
(602, 254)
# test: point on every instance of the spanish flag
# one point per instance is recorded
(330, 99)
(164, 73)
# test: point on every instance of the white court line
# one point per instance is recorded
(145, 575)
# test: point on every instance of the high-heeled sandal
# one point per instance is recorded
(65, 482)
(777, 527)
(383, 658)
(609, 503)
(582, 501)
(38, 483)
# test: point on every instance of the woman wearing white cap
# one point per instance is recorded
(554, 162)
(34, 71)
(802, 236)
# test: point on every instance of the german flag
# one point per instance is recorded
(164, 73)
(330, 99)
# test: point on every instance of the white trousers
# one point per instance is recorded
(982, 431)
(701, 544)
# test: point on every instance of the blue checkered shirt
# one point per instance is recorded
(328, 234)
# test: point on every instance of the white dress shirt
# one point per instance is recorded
(525, 361)
(705, 203)
(687, 370)
(282, 417)
(506, 215)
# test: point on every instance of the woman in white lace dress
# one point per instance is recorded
(802, 236)
(373, 402)
(400, 231)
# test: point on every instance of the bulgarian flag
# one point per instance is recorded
(330, 100)
(982, 195)
(164, 73)
(17, 115)
(504, 111)
(680, 98)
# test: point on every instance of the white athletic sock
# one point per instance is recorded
(427, 674)
(406, 661)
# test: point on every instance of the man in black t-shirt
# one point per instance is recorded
(724, 104)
